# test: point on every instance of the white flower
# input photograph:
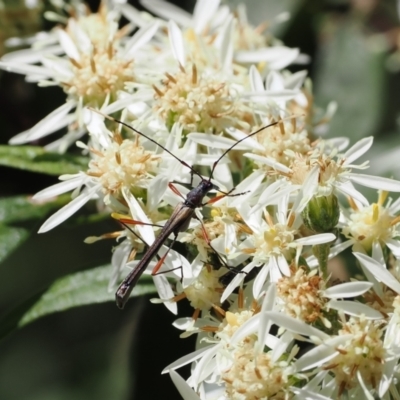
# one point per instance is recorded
(272, 245)
(96, 67)
(366, 224)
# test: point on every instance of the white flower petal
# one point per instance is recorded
(55, 120)
(226, 47)
(183, 388)
(375, 182)
(357, 150)
(366, 392)
(379, 272)
(304, 394)
(389, 369)
(201, 370)
(283, 265)
(247, 187)
(308, 190)
(168, 11)
(395, 206)
(347, 289)
(165, 292)
(267, 199)
(394, 246)
(204, 11)
(256, 82)
(348, 189)
(65, 212)
(274, 268)
(250, 141)
(316, 239)
(26, 69)
(296, 326)
(68, 45)
(118, 261)
(277, 95)
(187, 359)
(267, 305)
(321, 353)
(217, 142)
(146, 231)
(140, 38)
(268, 161)
(31, 55)
(340, 143)
(260, 280)
(177, 43)
(277, 57)
(296, 80)
(250, 327)
(60, 188)
(355, 309)
(235, 282)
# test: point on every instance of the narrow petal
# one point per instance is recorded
(226, 47)
(60, 188)
(146, 231)
(65, 212)
(68, 45)
(26, 69)
(296, 326)
(394, 246)
(316, 239)
(217, 142)
(389, 369)
(168, 11)
(277, 57)
(357, 150)
(379, 271)
(54, 121)
(201, 370)
(250, 141)
(247, 187)
(183, 388)
(375, 182)
(235, 282)
(140, 38)
(269, 161)
(118, 261)
(31, 55)
(347, 289)
(308, 394)
(256, 82)
(260, 280)
(321, 353)
(165, 292)
(187, 359)
(296, 80)
(177, 43)
(355, 309)
(348, 189)
(203, 12)
(367, 393)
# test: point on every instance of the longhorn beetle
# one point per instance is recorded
(179, 220)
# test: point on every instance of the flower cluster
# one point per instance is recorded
(210, 94)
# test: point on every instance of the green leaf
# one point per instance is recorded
(36, 159)
(75, 290)
(22, 208)
(10, 239)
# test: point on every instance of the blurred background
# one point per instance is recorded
(98, 352)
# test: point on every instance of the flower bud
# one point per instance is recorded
(321, 213)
